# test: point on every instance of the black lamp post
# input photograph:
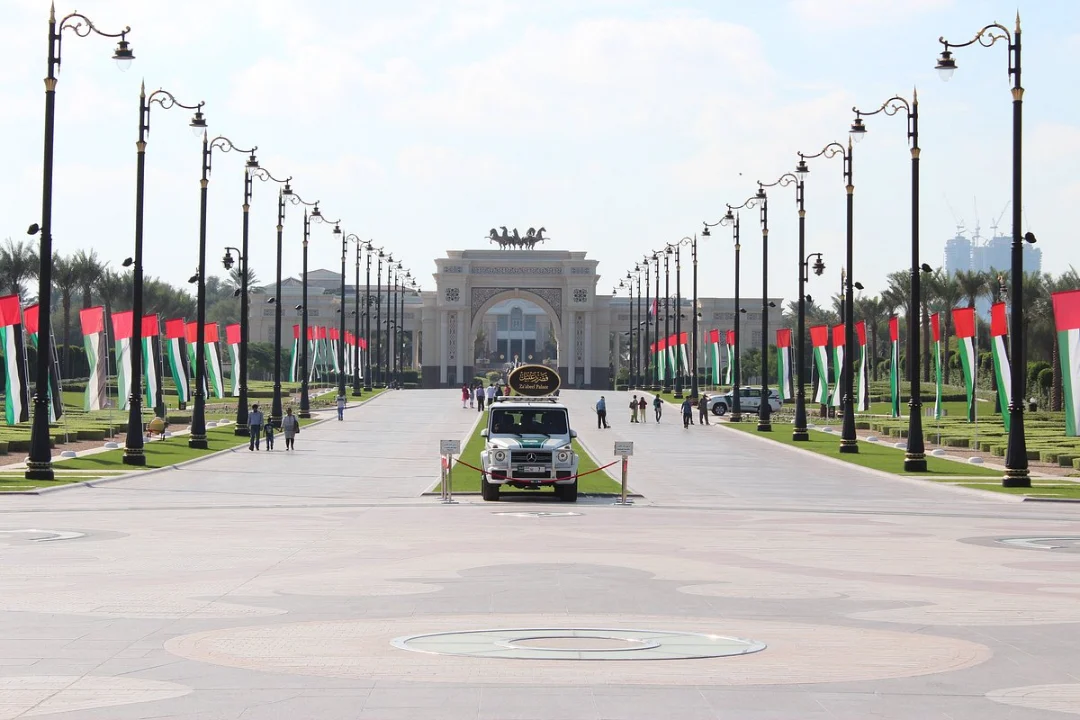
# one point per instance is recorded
(732, 218)
(400, 347)
(692, 242)
(848, 440)
(915, 455)
(635, 311)
(197, 438)
(647, 377)
(673, 248)
(628, 285)
(761, 201)
(367, 316)
(133, 442)
(1016, 461)
(341, 317)
(356, 390)
(667, 252)
(39, 462)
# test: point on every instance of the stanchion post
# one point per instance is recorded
(624, 450)
(448, 448)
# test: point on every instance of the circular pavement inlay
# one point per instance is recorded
(578, 644)
(1068, 543)
(538, 513)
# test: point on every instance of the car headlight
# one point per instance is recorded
(499, 456)
(564, 456)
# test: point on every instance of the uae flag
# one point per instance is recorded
(714, 353)
(92, 320)
(294, 359)
(362, 354)
(1067, 322)
(819, 340)
(16, 386)
(964, 322)
(729, 376)
(672, 349)
(350, 343)
(334, 343)
(999, 330)
(232, 339)
(191, 332)
(121, 323)
(836, 399)
(175, 336)
(783, 363)
(213, 361)
(862, 378)
(151, 362)
(312, 352)
(684, 355)
(660, 351)
(56, 400)
(935, 337)
(894, 366)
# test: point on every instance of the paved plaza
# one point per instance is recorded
(294, 585)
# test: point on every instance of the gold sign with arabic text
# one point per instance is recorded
(534, 380)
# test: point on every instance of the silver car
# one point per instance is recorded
(749, 401)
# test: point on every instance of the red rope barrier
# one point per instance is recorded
(500, 476)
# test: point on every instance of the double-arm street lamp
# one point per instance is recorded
(197, 438)
(1016, 460)
(915, 455)
(654, 312)
(39, 462)
(351, 237)
(275, 404)
(133, 443)
(732, 218)
(848, 441)
(692, 242)
(371, 250)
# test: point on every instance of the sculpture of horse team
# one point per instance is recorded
(514, 240)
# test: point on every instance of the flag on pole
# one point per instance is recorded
(999, 329)
(56, 399)
(294, 358)
(964, 322)
(729, 376)
(151, 361)
(17, 386)
(714, 346)
(862, 379)
(819, 339)
(836, 400)
(175, 336)
(191, 332)
(661, 358)
(213, 361)
(1067, 322)
(684, 357)
(894, 366)
(783, 363)
(121, 323)
(335, 341)
(92, 320)
(935, 336)
(232, 339)
(363, 354)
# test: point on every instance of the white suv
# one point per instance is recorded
(528, 446)
(749, 401)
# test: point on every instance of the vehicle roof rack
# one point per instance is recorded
(527, 398)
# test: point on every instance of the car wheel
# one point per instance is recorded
(567, 493)
(488, 491)
(719, 409)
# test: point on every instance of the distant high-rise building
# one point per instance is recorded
(957, 254)
(996, 254)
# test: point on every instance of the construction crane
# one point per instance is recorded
(956, 218)
(996, 223)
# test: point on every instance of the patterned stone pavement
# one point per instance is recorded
(272, 585)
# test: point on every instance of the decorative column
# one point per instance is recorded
(463, 345)
(588, 357)
(444, 333)
(571, 344)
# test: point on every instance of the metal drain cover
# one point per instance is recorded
(538, 513)
(578, 644)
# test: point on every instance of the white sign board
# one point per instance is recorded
(449, 447)
(624, 449)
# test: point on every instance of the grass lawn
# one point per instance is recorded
(468, 480)
(1045, 488)
(871, 455)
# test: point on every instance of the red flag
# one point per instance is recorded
(363, 344)
(30, 318)
(730, 337)
(121, 323)
(860, 332)
(964, 322)
(149, 326)
(1066, 310)
(661, 345)
(682, 338)
(783, 338)
(175, 330)
(819, 335)
(334, 334)
(295, 332)
(232, 334)
(999, 324)
(191, 329)
(838, 335)
(311, 332)
(211, 333)
(9, 311)
(92, 320)
(894, 328)
(935, 327)
(322, 332)
(714, 336)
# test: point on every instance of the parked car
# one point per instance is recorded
(749, 401)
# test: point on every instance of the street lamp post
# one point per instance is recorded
(732, 218)
(761, 201)
(915, 454)
(341, 319)
(39, 462)
(1016, 461)
(378, 317)
(692, 242)
(401, 327)
(678, 320)
(197, 438)
(133, 442)
(848, 441)
(275, 405)
(356, 391)
(367, 317)
(667, 313)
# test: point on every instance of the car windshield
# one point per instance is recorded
(528, 421)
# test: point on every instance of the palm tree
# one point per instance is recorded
(236, 277)
(18, 262)
(65, 277)
(973, 284)
(875, 312)
(114, 290)
(88, 268)
(947, 295)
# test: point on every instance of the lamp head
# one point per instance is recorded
(742, 310)
(772, 304)
(946, 66)
(337, 229)
(227, 261)
(123, 54)
(287, 190)
(198, 122)
(1029, 237)
(33, 229)
(760, 194)
(858, 286)
(858, 130)
(819, 266)
(236, 292)
(299, 307)
(316, 216)
(729, 217)
(128, 262)
(926, 268)
(809, 298)
(705, 232)
(802, 170)
(194, 278)
(252, 164)
(271, 300)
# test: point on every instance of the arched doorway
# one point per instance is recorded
(514, 327)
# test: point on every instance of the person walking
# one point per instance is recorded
(490, 393)
(480, 395)
(703, 410)
(255, 427)
(641, 404)
(340, 402)
(601, 414)
(687, 412)
(633, 409)
(269, 433)
(465, 396)
(290, 425)
(658, 406)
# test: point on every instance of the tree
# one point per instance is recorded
(875, 313)
(113, 290)
(18, 263)
(236, 277)
(973, 284)
(88, 269)
(947, 295)
(65, 276)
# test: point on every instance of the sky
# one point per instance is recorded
(617, 125)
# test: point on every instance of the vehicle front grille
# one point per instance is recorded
(531, 457)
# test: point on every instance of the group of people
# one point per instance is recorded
(477, 394)
(639, 405)
(258, 428)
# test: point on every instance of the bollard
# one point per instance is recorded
(449, 496)
(625, 450)
(625, 463)
(448, 448)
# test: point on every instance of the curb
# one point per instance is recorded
(527, 493)
(1027, 498)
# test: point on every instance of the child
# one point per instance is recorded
(269, 430)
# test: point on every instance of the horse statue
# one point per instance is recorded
(493, 236)
(507, 239)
